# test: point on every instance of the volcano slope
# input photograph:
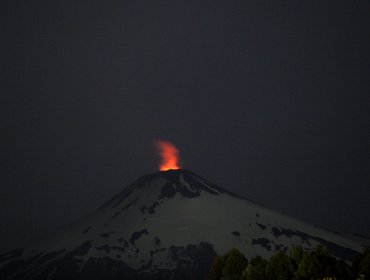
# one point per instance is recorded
(167, 225)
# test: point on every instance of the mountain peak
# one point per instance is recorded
(166, 225)
(168, 184)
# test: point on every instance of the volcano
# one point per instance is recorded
(166, 225)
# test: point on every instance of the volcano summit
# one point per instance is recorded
(167, 225)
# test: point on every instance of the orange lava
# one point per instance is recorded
(169, 155)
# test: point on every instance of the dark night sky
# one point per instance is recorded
(269, 99)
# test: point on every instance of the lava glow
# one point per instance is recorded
(169, 155)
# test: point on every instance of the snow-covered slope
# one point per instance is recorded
(167, 225)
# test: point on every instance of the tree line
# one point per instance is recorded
(297, 264)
